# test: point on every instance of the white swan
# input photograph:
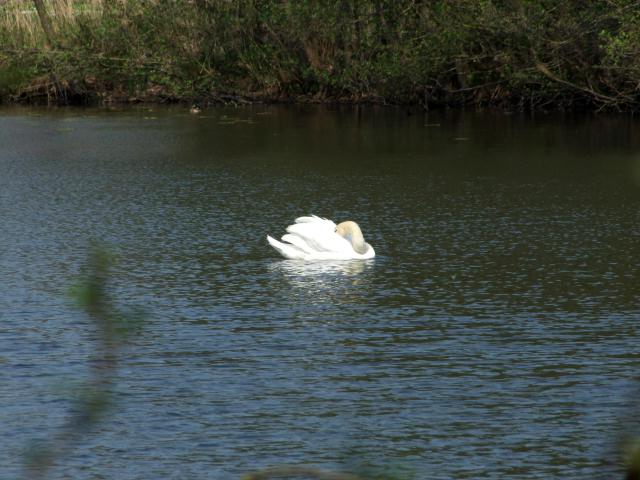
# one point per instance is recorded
(315, 238)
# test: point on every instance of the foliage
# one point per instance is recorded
(93, 400)
(512, 53)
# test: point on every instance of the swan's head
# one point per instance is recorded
(351, 231)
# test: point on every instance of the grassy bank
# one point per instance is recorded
(515, 54)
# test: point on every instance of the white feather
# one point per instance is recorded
(286, 250)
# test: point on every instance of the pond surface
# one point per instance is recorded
(494, 336)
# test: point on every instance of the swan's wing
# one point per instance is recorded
(319, 236)
(286, 250)
(316, 221)
(297, 241)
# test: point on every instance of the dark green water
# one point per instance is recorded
(494, 336)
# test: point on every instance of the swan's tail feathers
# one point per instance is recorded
(285, 249)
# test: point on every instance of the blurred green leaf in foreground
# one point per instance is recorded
(94, 397)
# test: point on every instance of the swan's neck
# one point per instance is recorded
(351, 232)
(359, 246)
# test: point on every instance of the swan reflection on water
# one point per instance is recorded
(297, 268)
(315, 290)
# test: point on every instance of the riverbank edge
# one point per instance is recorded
(63, 92)
(71, 92)
(64, 85)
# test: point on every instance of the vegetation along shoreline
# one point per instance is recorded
(510, 54)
